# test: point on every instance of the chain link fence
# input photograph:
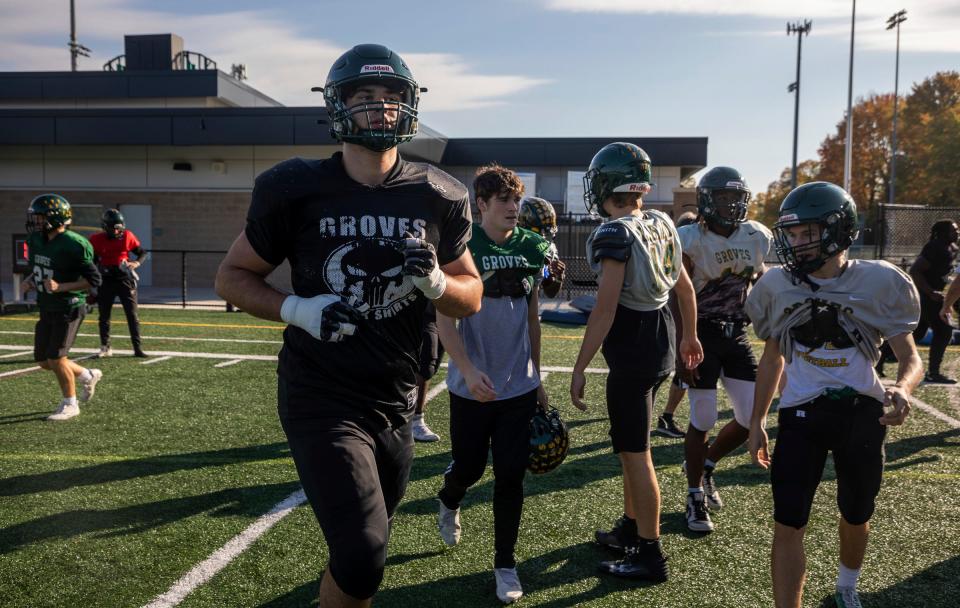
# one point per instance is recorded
(905, 229)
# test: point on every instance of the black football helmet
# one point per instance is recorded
(828, 206)
(549, 441)
(617, 167)
(538, 214)
(371, 64)
(723, 187)
(113, 223)
(48, 212)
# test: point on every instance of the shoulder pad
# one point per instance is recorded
(758, 227)
(445, 184)
(287, 171)
(612, 240)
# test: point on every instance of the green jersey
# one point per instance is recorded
(61, 259)
(512, 269)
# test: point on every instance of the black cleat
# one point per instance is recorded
(938, 378)
(140, 354)
(648, 564)
(614, 539)
(666, 427)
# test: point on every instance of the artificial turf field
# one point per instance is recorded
(172, 460)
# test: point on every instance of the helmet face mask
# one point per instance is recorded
(723, 197)
(816, 209)
(549, 441)
(48, 212)
(372, 98)
(617, 167)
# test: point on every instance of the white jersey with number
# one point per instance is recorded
(723, 267)
(654, 264)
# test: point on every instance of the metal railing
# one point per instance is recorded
(183, 270)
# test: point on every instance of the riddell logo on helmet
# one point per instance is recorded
(789, 217)
(734, 184)
(376, 68)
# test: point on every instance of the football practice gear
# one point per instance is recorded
(723, 187)
(420, 262)
(617, 167)
(48, 212)
(549, 441)
(612, 241)
(113, 223)
(822, 203)
(372, 64)
(327, 317)
(538, 215)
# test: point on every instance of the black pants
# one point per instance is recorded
(354, 472)
(849, 428)
(942, 332)
(475, 429)
(126, 290)
(55, 332)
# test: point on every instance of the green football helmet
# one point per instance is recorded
(822, 203)
(617, 167)
(549, 441)
(371, 64)
(113, 223)
(723, 188)
(48, 212)
(538, 215)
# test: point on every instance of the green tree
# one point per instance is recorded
(929, 147)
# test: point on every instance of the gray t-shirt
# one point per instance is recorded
(497, 342)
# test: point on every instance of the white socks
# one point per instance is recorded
(847, 577)
(86, 376)
(69, 400)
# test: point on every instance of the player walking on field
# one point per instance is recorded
(826, 316)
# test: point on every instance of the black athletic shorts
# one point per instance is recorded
(732, 356)
(431, 351)
(354, 470)
(55, 332)
(849, 428)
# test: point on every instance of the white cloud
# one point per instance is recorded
(281, 61)
(932, 25)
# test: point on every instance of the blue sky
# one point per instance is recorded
(546, 67)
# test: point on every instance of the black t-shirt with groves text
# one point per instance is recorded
(342, 237)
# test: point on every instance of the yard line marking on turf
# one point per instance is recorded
(230, 362)
(12, 355)
(172, 338)
(559, 369)
(159, 353)
(926, 407)
(157, 360)
(27, 370)
(218, 560)
(169, 324)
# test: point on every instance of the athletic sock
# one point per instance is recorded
(847, 577)
(694, 490)
(418, 418)
(629, 528)
(666, 416)
(709, 465)
(69, 400)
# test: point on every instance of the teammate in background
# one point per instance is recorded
(63, 271)
(636, 254)
(348, 367)
(724, 253)
(666, 425)
(829, 314)
(538, 215)
(431, 354)
(929, 273)
(950, 298)
(112, 248)
(494, 375)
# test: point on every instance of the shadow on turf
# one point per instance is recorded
(65, 479)
(250, 501)
(935, 587)
(899, 451)
(24, 417)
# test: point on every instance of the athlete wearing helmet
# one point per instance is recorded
(371, 239)
(826, 316)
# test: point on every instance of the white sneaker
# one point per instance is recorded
(714, 502)
(847, 597)
(65, 412)
(448, 521)
(508, 585)
(421, 432)
(88, 387)
(105, 351)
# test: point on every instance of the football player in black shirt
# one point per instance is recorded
(371, 239)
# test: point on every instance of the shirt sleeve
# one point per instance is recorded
(455, 232)
(267, 223)
(900, 304)
(756, 308)
(132, 241)
(85, 265)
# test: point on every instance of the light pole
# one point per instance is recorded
(894, 22)
(848, 151)
(76, 49)
(800, 29)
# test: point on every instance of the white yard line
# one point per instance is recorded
(177, 338)
(228, 363)
(157, 360)
(218, 560)
(562, 370)
(27, 370)
(926, 407)
(163, 353)
(11, 355)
